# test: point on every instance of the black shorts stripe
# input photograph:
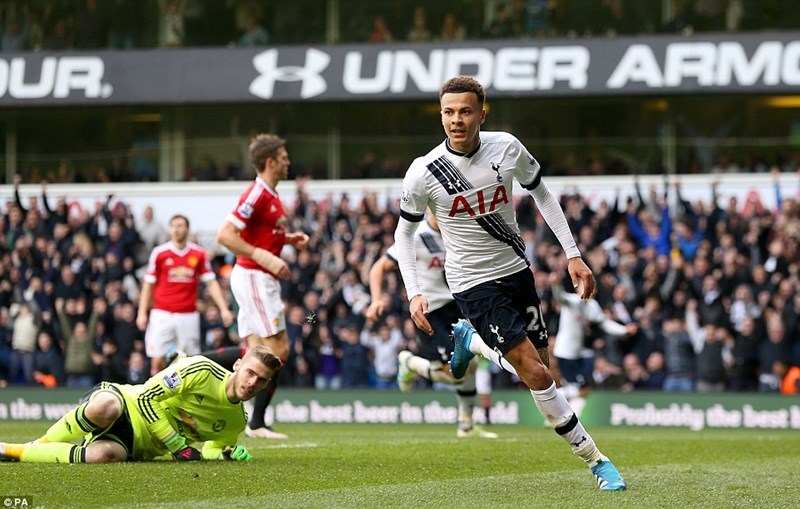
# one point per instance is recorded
(411, 218)
(467, 394)
(449, 176)
(494, 226)
(430, 242)
(569, 426)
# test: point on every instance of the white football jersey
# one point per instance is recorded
(430, 252)
(575, 314)
(471, 197)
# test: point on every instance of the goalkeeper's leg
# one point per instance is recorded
(101, 451)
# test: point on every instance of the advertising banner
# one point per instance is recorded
(638, 409)
(664, 65)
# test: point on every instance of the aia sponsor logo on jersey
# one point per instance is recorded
(480, 204)
(436, 263)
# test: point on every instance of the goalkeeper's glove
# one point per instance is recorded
(176, 444)
(237, 453)
(187, 454)
(269, 261)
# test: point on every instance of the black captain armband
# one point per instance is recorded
(534, 184)
(411, 218)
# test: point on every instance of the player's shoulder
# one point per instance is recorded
(419, 166)
(161, 249)
(498, 137)
(199, 365)
(196, 248)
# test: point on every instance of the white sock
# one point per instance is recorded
(433, 371)
(570, 391)
(555, 408)
(479, 347)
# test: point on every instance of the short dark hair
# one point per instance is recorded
(179, 216)
(461, 84)
(263, 147)
(263, 354)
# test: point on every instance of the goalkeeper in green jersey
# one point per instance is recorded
(193, 400)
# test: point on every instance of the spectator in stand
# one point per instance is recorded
(23, 342)
(138, 368)
(78, 339)
(355, 361)
(679, 355)
(14, 29)
(745, 352)
(111, 365)
(771, 354)
(419, 29)
(151, 233)
(254, 34)
(329, 355)
(385, 344)
(501, 26)
(48, 363)
(380, 31)
(91, 24)
(172, 33)
(121, 24)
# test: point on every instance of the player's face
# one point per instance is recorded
(280, 164)
(462, 117)
(250, 377)
(178, 231)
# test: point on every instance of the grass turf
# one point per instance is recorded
(427, 466)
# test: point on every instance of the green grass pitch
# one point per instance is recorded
(369, 466)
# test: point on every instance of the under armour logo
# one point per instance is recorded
(496, 331)
(199, 397)
(579, 442)
(496, 169)
(313, 83)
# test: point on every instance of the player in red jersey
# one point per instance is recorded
(174, 272)
(255, 231)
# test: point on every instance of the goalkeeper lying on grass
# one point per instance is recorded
(193, 400)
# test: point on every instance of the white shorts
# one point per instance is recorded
(172, 332)
(258, 295)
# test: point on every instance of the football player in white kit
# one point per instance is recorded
(434, 350)
(467, 181)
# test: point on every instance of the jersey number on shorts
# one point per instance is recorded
(536, 314)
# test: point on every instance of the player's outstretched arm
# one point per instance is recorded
(376, 272)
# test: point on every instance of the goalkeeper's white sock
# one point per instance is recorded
(556, 409)
(479, 347)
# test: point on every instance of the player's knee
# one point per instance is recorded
(104, 409)
(105, 452)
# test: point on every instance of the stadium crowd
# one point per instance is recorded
(57, 25)
(713, 288)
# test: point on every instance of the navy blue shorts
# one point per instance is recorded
(572, 371)
(439, 347)
(505, 311)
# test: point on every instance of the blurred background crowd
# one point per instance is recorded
(712, 286)
(124, 24)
